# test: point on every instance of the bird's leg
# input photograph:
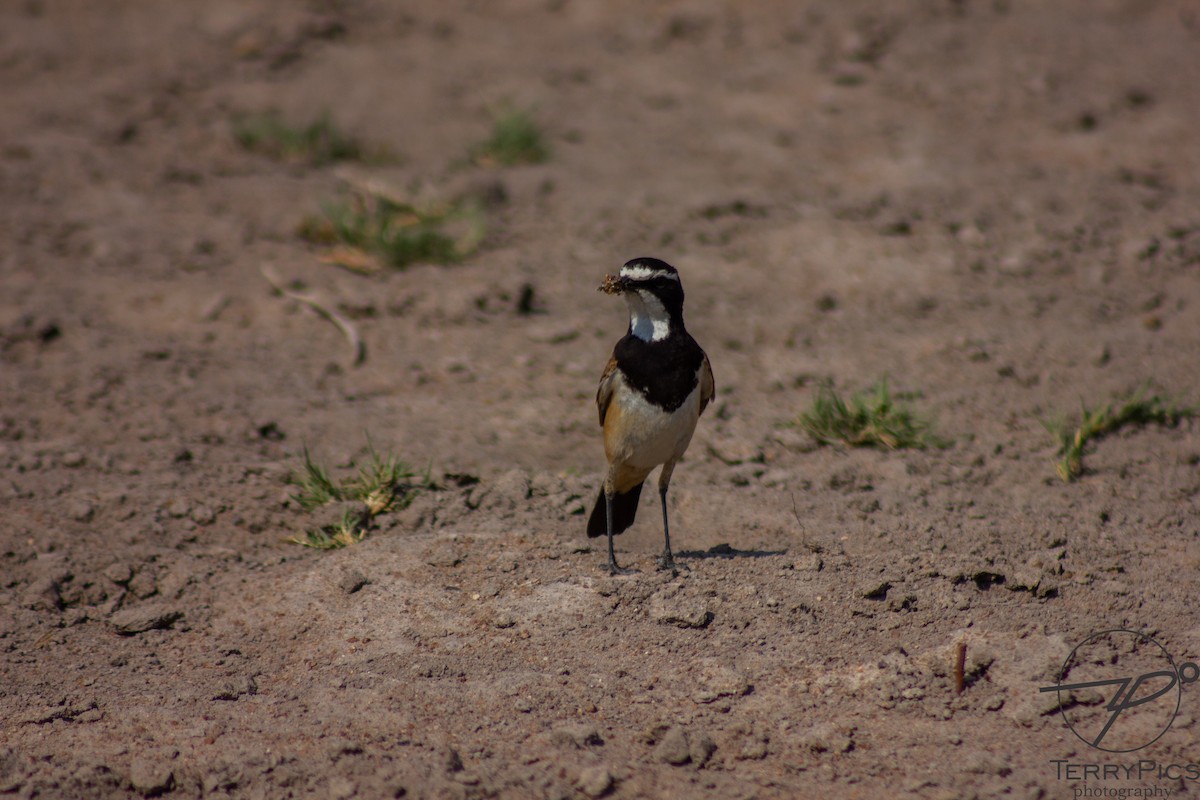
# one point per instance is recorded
(613, 568)
(666, 561)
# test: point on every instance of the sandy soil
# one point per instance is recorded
(995, 203)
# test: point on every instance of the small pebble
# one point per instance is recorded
(130, 621)
(352, 580)
(673, 748)
(151, 777)
(203, 515)
(119, 573)
(178, 508)
(700, 748)
(754, 751)
(595, 781)
(576, 734)
(80, 509)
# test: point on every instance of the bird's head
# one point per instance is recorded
(653, 293)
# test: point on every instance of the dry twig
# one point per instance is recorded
(344, 325)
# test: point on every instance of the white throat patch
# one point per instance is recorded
(648, 317)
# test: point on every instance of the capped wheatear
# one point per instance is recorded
(652, 393)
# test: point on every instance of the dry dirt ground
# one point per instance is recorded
(996, 204)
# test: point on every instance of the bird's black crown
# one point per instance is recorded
(657, 277)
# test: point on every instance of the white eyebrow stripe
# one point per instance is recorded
(646, 273)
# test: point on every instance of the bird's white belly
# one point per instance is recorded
(650, 436)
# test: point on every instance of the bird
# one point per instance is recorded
(654, 389)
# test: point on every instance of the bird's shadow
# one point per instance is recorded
(728, 551)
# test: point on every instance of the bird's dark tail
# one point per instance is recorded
(624, 510)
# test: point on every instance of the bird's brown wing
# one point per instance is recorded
(605, 392)
(708, 386)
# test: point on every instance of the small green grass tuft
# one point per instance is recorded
(352, 528)
(396, 232)
(318, 143)
(869, 418)
(1096, 423)
(383, 483)
(516, 139)
(316, 488)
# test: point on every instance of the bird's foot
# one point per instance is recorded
(614, 569)
(666, 562)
